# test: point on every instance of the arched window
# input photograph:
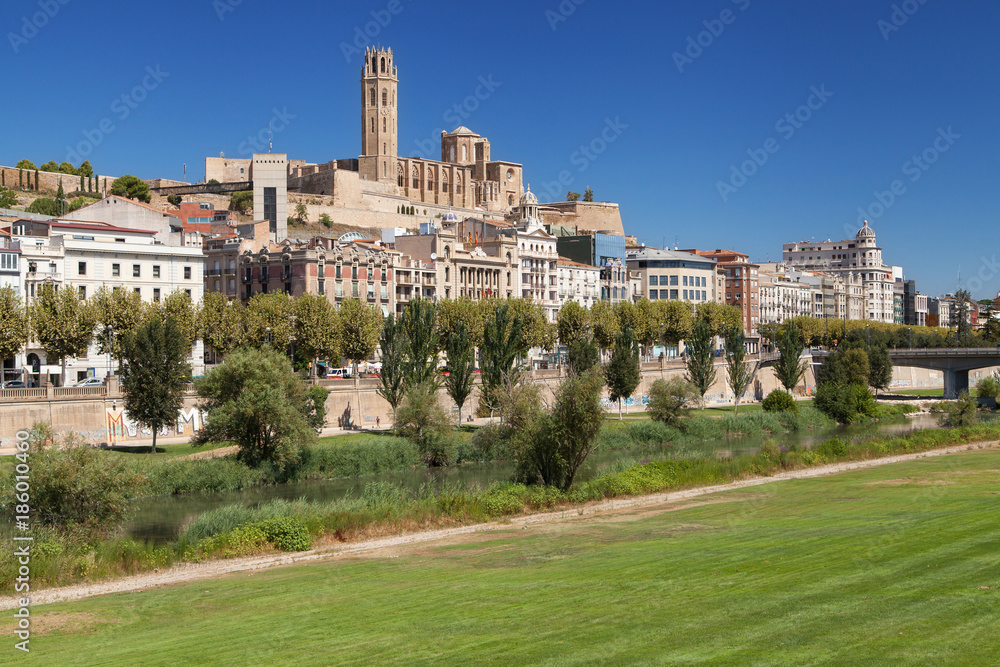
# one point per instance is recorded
(383, 65)
(373, 123)
(447, 252)
(430, 179)
(458, 184)
(416, 178)
(399, 175)
(384, 126)
(374, 66)
(465, 153)
(385, 97)
(444, 183)
(451, 154)
(510, 200)
(373, 96)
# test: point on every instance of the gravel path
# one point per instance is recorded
(216, 568)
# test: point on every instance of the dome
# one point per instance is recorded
(865, 233)
(450, 217)
(529, 198)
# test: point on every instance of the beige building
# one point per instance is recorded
(578, 282)
(673, 275)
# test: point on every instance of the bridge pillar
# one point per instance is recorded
(955, 382)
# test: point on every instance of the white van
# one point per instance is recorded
(344, 372)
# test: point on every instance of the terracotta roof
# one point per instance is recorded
(566, 261)
(95, 226)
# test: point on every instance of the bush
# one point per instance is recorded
(779, 400)
(846, 403)
(988, 387)
(287, 533)
(421, 419)
(962, 412)
(668, 399)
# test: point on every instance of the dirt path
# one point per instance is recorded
(400, 543)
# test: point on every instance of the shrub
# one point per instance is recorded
(988, 387)
(668, 399)
(962, 412)
(846, 403)
(287, 533)
(421, 419)
(175, 200)
(779, 400)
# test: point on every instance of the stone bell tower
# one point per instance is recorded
(379, 147)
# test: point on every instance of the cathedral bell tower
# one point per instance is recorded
(379, 147)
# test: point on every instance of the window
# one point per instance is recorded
(653, 294)
(138, 291)
(385, 292)
(673, 282)
(354, 290)
(156, 294)
(136, 270)
(187, 273)
(321, 287)
(271, 204)
(156, 271)
(83, 292)
(82, 268)
(354, 272)
(116, 270)
(652, 280)
(188, 292)
(117, 240)
(337, 273)
(673, 294)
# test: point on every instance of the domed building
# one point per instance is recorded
(858, 263)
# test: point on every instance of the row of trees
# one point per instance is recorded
(85, 169)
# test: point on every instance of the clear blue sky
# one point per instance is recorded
(563, 75)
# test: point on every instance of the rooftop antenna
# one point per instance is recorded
(270, 140)
(677, 242)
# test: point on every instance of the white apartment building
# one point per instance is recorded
(860, 259)
(539, 257)
(578, 282)
(673, 275)
(88, 256)
(782, 298)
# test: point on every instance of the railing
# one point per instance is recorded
(68, 392)
(13, 394)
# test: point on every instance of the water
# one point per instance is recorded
(164, 518)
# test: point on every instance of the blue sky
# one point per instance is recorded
(684, 93)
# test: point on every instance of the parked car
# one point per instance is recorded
(14, 384)
(90, 382)
(343, 372)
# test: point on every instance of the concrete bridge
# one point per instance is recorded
(955, 363)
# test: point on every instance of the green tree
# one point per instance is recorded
(255, 400)
(423, 420)
(50, 167)
(500, 368)
(315, 328)
(789, 369)
(622, 373)
(269, 320)
(846, 365)
(720, 317)
(583, 356)
(701, 359)
(739, 372)
(175, 200)
(422, 341)
(62, 323)
(131, 187)
(845, 403)
(301, 213)
(588, 195)
(535, 329)
(86, 169)
(961, 412)
(326, 220)
(13, 323)
(461, 368)
(667, 399)
(605, 324)
(7, 198)
(779, 400)
(964, 321)
(45, 206)
(555, 445)
(879, 369)
(119, 313)
(988, 387)
(242, 201)
(26, 164)
(674, 321)
(451, 312)
(392, 344)
(221, 322)
(572, 323)
(572, 196)
(359, 329)
(154, 374)
(68, 168)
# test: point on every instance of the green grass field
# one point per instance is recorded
(893, 565)
(939, 393)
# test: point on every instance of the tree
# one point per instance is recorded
(964, 321)
(391, 378)
(674, 321)
(535, 329)
(572, 196)
(622, 373)
(583, 356)
(879, 369)
(721, 317)
(118, 313)
(552, 449)
(221, 323)
(242, 201)
(701, 359)
(45, 206)
(175, 200)
(988, 387)
(68, 168)
(847, 365)
(13, 323)
(605, 324)
(588, 195)
(269, 321)
(461, 368)
(26, 164)
(131, 187)
(50, 167)
(154, 374)
(421, 341)
(315, 328)
(789, 369)
(572, 323)
(668, 399)
(499, 354)
(7, 198)
(845, 403)
(62, 323)
(740, 373)
(359, 329)
(86, 170)
(301, 213)
(326, 220)
(422, 420)
(962, 412)
(255, 400)
(451, 312)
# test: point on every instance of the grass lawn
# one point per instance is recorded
(939, 393)
(710, 411)
(891, 565)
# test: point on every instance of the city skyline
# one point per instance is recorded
(721, 126)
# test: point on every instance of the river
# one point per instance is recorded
(162, 518)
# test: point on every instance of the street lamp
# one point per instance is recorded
(267, 333)
(111, 333)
